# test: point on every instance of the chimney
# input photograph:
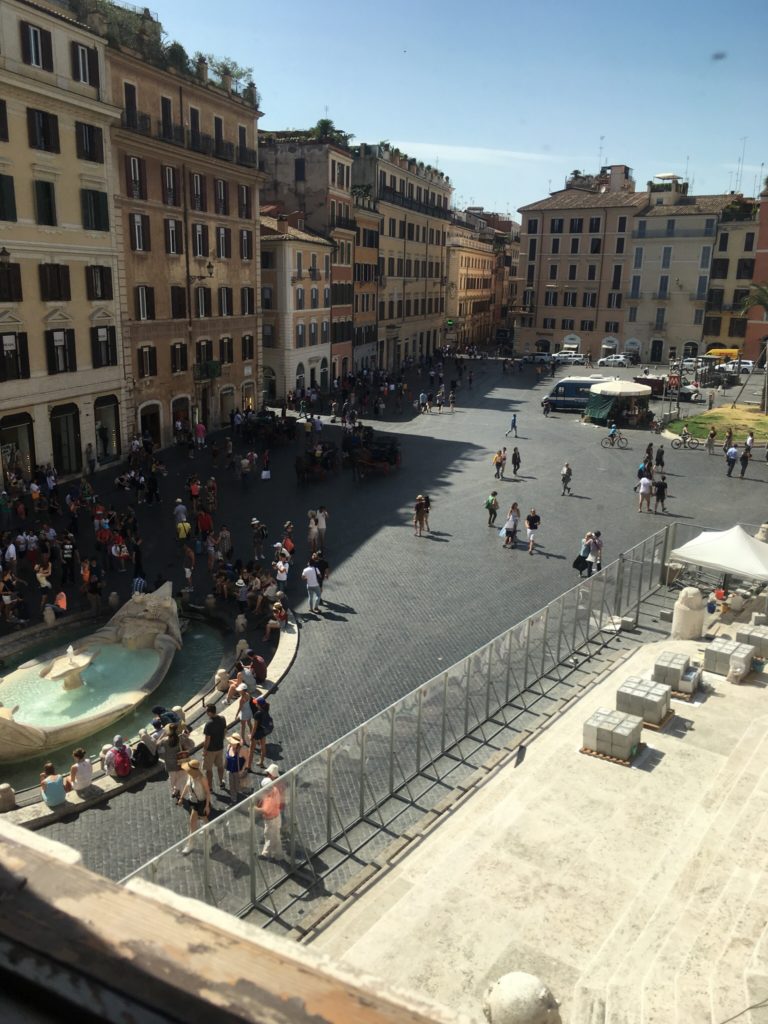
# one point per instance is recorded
(201, 69)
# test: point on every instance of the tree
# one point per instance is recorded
(326, 131)
(758, 296)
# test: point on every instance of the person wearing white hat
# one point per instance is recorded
(271, 804)
(196, 797)
(235, 765)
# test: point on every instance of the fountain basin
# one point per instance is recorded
(43, 705)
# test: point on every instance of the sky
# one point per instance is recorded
(507, 98)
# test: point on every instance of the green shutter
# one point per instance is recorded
(7, 198)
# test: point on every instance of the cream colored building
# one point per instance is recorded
(471, 277)
(414, 209)
(366, 277)
(61, 373)
(296, 307)
(672, 261)
(731, 275)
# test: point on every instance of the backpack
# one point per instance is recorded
(122, 762)
(489, 502)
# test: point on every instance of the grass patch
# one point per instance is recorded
(741, 419)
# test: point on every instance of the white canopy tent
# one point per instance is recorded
(731, 551)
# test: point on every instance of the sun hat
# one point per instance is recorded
(240, 583)
(241, 687)
(273, 771)
(236, 736)
(191, 765)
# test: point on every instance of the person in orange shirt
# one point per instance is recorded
(271, 804)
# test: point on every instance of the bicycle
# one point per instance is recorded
(686, 442)
(615, 441)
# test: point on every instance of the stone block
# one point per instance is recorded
(759, 619)
(356, 881)
(589, 736)
(7, 798)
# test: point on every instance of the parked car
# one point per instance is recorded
(614, 360)
(573, 358)
(538, 357)
(632, 357)
(739, 366)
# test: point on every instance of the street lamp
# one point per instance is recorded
(196, 277)
(5, 257)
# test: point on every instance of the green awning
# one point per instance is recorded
(599, 408)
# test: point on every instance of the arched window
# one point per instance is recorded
(300, 377)
(323, 374)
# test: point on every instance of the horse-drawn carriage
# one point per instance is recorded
(316, 462)
(375, 456)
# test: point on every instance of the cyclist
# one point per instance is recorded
(685, 434)
(613, 433)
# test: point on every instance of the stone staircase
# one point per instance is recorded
(686, 947)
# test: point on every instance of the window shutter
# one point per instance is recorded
(69, 336)
(7, 198)
(102, 211)
(86, 212)
(64, 289)
(3, 121)
(208, 300)
(112, 340)
(95, 349)
(43, 271)
(21, 341)
(136, 304)
(26, 49)
(53, 127)
(90, 291)
(152, 353)
(145, 226)
(73, 53)
(150, 303)
(228, 242)
(128, 179)
(50, 352)
(179, 236)
(167, 233)
(142, 179)
(203, 192)
(93, 66)
(106, 282)
(32, 127)
(14, 282)
(178, 302)
(243, 301)
(47, 48)
(131, 231)
(98, 145)
(206, 248)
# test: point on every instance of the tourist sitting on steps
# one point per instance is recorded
(117, 760)
(54, 786)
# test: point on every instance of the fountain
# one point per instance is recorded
(49, 702)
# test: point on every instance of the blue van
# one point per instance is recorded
(572, 392)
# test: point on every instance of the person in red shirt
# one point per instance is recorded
(204, 523)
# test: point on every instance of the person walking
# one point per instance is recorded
(271, 804)
(196, 798)
(594, 556)
(427, 509)
(492, 507)
(497, 463)
(512, 425)
(746, 455)
(660, 493)
(566, 475)
(731, 454)
(322, 516)
(418, 516)
(710, 442)
(515, 461)
(644, 486)
(311, 577)
(659, 460)
(532, 523)
(213, 746)
(234, 762)
(510, 528)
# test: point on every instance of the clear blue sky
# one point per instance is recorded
(509, 97)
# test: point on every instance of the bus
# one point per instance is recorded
(572, 392)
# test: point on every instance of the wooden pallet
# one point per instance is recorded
(679, 695)
(613, 760)
(661, 725)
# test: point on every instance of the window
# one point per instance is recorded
(60, 351)
(10, 282)
(139, 230)
(45, 202)
(616, 277)
(300, 342)
(576, 225)
(179, 358)
(611, 326)
(226, 350)
(587, 325)
(3, 121)
(267, 260)
(722, 242)
(36, 46)
(622, 224)
(594, 224)
(663, 292)
(203, 302)
(698, 317)
(147, 361)
(198, 192)
(103, 347)
(737, 328)
(670, 227)
(745, 269)
(299, 298)
(533, 226)
(314, 298)
(634, 292)
(567, 325)
(641, 225)
(313, 333)
(632, 314)
(706, 256)
(299, 169)
(244, 206)
(553, 272)
(749, 241)
(666, 257)
(174, 236)
(200, 240)
(94, 209)
(221, 192)
(266, 297)
(98, 283)
(54, 282)
(549, 322)
(575, 243)
(14, 357)
(572, 271)
(326, 297)
(246, 343)
(712, 324)
(135, 177)
(89, 142)
(178, 302)
(614, 300)
(556, 226)
(223, 243)
(660, 316)
(550, 297)
(145, 302)
(226, 307)
(43, 129)
(620, 242)
(166, 119)
(595, 245)
(555, 246)
(637, 261)
(85, 64)
(701, 287)
(589, 300)
(719, 269)
(169, 179)
(569, 298)
(247, 301)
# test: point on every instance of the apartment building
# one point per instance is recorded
(61, 370)
(366, 276)
(313, 177)
(731, 275)
(296, 304)
(757, 326)
(673, 243)
(505, 235)
(574, 251)
(471, 264)
(188, 224)
(413, 202)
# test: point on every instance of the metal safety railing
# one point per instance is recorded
(371, 783)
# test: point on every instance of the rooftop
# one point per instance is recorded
(688, 206)
(585, 199)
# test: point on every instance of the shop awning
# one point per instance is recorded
(599, 407)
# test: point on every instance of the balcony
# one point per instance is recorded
(661, 232)
(136, 121)
(314, 273)
(169, 132)
(390, 195)
(662, 296)
(634, 295)
(695, 297)
(196, 141)
(345, 223)
(246, 157)
(207, 370)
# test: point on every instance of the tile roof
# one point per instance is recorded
(584, 199)
(271, 230)
(687, 206)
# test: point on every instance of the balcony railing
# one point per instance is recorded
(169, 132)
(346, 223)
(245, 156)
(207, 370)
(702, 232)
(198, 142)
(390, 195)
(137, 121)
(695, 297)
(633, 295)
(662, 296)
(713, 305)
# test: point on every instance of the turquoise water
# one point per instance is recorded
(41, 701)
(193, 667)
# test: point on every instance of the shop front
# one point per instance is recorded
(106, 413)
(65, 439)
(17, 446)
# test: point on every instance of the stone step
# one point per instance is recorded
(739, 946)
(756, 982)
(627, 948)
(707, 871)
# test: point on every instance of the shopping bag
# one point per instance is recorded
(266, 474)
